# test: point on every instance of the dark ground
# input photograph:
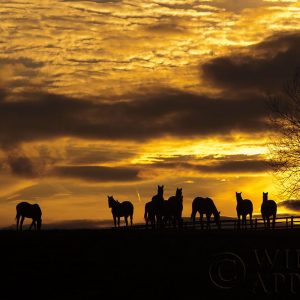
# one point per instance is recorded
(146, 264)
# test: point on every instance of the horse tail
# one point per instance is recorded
(146, 213)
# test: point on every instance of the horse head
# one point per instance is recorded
(179, 193)
(238, 196)
(111, 201)
(217, 218)
(160, 190)
(265, 196)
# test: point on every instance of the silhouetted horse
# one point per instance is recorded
(158, 206)
(172, 209)
(120, 209)
(268, 209)
(244, 207)
(205, 206)
(32, 211)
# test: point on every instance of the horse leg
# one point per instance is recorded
(207, 222)
(126, 220)
(21, 223)
(193, 217)
(251, 223)
(118, 221)
(32, 224)
(201, 221)
(273, 224)
(244, 221)
(18, 220)
(131, 218)
(115, 221)
(265, 225)
(239, 222)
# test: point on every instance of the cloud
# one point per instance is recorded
(21, 166)
(290, 204)
(43, 116)
(96, 155)
(228, 164)
(264, 67)
(97, 173)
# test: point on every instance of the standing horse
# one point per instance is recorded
(157, 204)
(244, 207)
(172, 209)
(27, 210)
(268, 209)
(120, 209)
(205, 206)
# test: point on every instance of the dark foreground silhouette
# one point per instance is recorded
(27, 210)
(147, 264)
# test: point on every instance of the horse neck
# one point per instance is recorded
(239, 199)
(115, 204)
(214, 210)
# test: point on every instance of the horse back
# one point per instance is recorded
(126, 208)
(244, 206)
(28, 210)
(269, 207)
(203, 205)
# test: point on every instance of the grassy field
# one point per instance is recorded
(146, 264)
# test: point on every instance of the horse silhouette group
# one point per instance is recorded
(160, 212)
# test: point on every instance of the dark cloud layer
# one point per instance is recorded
(227, 165)
(290, 204)
(265, 67)
(97, 173)
(46, 116)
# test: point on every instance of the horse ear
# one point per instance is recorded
(219, 212)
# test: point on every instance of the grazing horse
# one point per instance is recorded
(157, 204)
(120, 209)
(268, 209)
(205, 206)
(172, 209)
(244, 207)
(27, 210)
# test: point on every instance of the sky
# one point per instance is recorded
(116, 97)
